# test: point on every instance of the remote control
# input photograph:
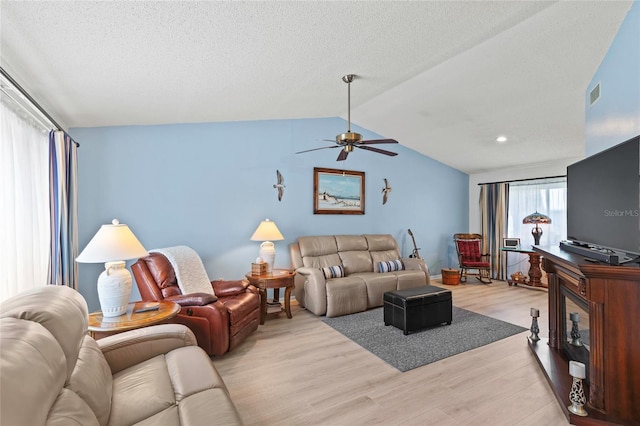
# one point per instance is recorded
(147, 309)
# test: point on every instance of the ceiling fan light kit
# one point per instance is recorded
(348, 140)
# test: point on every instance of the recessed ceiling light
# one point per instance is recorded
(501, 139)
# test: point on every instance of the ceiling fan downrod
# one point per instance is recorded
(348, 79)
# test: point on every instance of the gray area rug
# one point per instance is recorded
(467, 331)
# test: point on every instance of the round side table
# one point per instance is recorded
(277, 279)
(132, 319)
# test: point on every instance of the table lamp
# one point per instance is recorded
(112, 245)
(267, 231)
(536, 218)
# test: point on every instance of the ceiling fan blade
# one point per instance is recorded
(342, 156)
(375, 141)
(378, 150)
(315, 149)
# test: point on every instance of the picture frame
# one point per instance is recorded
(338, 191)
(511, 243)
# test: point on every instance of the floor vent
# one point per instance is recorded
(594, 95)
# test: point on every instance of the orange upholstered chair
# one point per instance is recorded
(470, 257)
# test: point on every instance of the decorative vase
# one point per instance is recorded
(114, 288)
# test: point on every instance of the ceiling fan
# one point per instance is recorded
(349, 140)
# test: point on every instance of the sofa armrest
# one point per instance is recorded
(135, 346)
(315, 290)
(193, 299)
(415, 264)
(224, 288)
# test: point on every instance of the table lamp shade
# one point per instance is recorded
(536, 218)
(112, 242)
(267, 231)
(112, 245)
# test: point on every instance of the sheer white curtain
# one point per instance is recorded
(547, 196)
(24, 203)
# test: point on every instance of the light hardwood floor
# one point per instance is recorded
(300, 371)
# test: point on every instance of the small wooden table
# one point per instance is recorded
(535, 273)
(131, 319)
(276, 280)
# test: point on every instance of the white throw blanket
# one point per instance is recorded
(190, 272)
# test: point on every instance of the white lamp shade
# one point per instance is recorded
(267, 231)
(112, 243)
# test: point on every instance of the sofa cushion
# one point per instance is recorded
(92, 380)
(384, 256)
(42, 349)
(66, 316)
(333, 272)
(410, 278)
(470, 250)
(381, 242)
(29, 389)
(356, 261)
(346, 295)
(317, 246)
(351, 243)
(320, 262)
(162, 383)
(70, 409)
(161, 270)
(377, 284)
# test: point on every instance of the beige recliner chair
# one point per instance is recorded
(52, 372)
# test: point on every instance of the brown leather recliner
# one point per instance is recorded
(220, 323)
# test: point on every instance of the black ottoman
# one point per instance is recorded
(416, 308)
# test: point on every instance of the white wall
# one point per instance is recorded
(557, 168)
(208, 185)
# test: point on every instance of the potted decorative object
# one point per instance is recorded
(450, 276)
(518, 278)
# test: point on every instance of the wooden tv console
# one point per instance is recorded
(612, 297)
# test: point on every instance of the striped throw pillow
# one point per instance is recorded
(391, 265)
(333, 272)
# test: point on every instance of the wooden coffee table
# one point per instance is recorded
(131, 319)
(276, 280)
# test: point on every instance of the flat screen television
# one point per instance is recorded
(603, 201)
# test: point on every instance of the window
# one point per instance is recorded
(24, 203)
(547, 196)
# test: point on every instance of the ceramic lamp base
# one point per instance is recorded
(114, 288)
(268, 254)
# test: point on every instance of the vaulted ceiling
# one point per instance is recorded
(444, 78)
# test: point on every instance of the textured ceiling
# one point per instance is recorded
(443, 78)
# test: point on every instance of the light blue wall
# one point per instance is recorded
(209, 185)
(615, 117)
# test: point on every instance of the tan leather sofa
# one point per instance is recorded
(362, 286)
(52, 372)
